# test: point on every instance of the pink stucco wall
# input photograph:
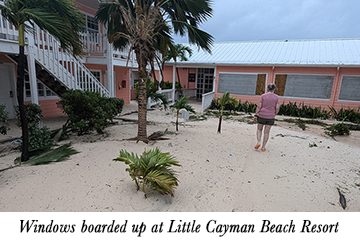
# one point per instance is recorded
(122, 77)
(271, 71)
(184, 76)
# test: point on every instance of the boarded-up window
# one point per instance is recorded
(242, 84)
(280, 82)
(350, 88)
(304, 86)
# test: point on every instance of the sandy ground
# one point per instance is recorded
(219, 172)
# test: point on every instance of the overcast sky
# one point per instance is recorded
(243, 20)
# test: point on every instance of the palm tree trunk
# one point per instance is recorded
(177, 72)
(220, 120)
(219, 127)
(177, 120)
(142, 105)
(20, 96)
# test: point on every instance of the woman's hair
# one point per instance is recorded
(271, 87)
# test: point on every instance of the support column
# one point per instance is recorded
(214, 80)
(32, 70)
(174, 82)
(110, 70)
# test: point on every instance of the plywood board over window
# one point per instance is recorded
(304, 86)
(280, 82)
(242, 83)
(260, 84)
(350, 88)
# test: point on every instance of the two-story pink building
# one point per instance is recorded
(50, 72)
(314, 72)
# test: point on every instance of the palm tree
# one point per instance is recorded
(145, 26)
(179, 104)
(178, 50)
(61, 19)
(223, 100)
(152, 169)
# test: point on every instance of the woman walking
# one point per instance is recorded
(266, 110)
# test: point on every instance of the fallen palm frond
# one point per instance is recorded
(154, 136)
(54, 155)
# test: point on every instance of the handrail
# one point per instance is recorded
(169, 93)
(70, 71)
(206, 100)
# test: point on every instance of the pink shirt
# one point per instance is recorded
(268, 102)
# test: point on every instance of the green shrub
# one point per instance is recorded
(4, 125)
(169, 85)
(343, 114)
(338, 129)
(88, 111)
(39, 137)
(303, 111)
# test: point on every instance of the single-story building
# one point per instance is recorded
(314, 72)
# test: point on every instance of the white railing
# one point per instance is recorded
(169, 93)
(7, 30)
(94, 42)
(206, 100)
(63, 66)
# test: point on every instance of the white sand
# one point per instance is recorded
(219, 172)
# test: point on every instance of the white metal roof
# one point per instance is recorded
(332, 52)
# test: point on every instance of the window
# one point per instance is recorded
(97, 74)
(242, 83)
(350, 88)
(304, 86)
(92, 25)
(43, 91)
(192, 77)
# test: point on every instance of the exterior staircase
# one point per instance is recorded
(57, 69)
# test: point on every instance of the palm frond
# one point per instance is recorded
(152, 169)
(162, 181)
(55, 155)
(60, 18)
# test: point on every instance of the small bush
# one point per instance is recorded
(39, 137)
(303, 111)
(4, 125)
(338, 129)
(343, 114)
(88, 111)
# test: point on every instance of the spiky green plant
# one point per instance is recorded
(223, 100)
(152, 170)
(179, 104)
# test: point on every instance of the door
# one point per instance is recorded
(133, 81)
(7, 94)
(205, 81)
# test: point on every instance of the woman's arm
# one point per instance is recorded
(258, 108)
